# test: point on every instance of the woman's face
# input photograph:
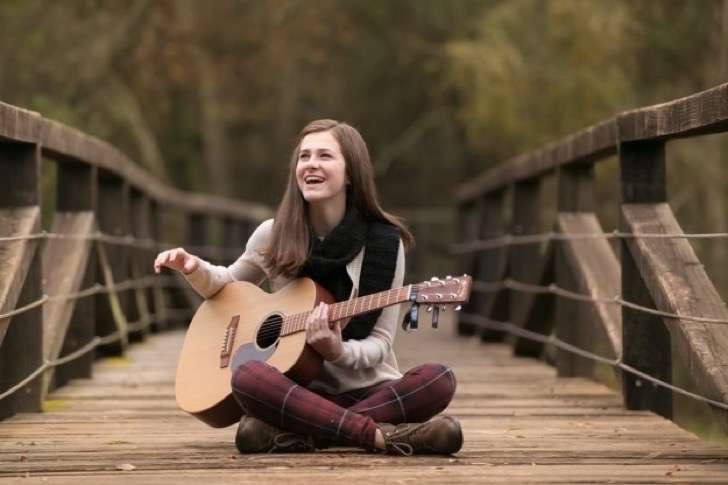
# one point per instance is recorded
(321, 168)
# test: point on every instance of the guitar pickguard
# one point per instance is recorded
(250, 352)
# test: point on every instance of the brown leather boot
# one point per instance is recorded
(439, 436)
(256, 436)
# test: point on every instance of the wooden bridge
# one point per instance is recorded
(90, 338)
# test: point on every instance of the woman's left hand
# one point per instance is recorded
(325, 339)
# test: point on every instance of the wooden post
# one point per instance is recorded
(21, 350)
(576, 194)
(525, 259)
(157, 297)
(198, 226)
(416, 259)
(234, 238)
(113, 219)
(467, 232)
(175, 232)
(246, 230)
(645, 339)
(492, 263)
(77, 192)
(140, 259)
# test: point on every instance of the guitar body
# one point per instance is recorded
(240, 323)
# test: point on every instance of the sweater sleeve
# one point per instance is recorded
(371, 351)
(207, 279)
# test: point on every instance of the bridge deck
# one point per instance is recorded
(521, 425)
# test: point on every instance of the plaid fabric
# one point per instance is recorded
(349, 418)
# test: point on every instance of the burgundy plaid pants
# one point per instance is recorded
(349, 418)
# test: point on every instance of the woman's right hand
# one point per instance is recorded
(177, 259)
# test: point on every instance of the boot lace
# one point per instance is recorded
(406, 440)
(289, 442)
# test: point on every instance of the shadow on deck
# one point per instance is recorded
(521, 425)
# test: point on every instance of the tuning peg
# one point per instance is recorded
(458, 308)
(443, 308)
(429, 309)
(448, 277)
(434, 278)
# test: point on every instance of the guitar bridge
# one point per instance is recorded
(229, 341)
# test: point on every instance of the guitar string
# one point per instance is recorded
(365, 301)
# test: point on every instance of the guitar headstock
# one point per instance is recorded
(451, 290)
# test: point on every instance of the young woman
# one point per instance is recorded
(330, 227)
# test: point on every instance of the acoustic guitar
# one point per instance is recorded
(243, 322)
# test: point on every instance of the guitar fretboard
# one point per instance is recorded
(350, 308)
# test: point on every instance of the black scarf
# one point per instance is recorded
(327, 260)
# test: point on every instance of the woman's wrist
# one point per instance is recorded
(337, 354)
(190, 267)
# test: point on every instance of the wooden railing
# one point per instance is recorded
(570, 285)
(85, 285)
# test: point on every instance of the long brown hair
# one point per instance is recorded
(289, 244)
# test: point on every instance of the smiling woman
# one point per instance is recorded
(330, 227)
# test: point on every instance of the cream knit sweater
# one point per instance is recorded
(363, 362)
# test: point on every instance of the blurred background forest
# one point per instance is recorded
(209, 96)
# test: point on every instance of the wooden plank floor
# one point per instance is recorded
(521, 425)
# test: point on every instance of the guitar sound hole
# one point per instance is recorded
(270, 331)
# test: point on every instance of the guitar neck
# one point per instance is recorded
(351, 308)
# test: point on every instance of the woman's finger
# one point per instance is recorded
(322, 317)
(160, 261)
